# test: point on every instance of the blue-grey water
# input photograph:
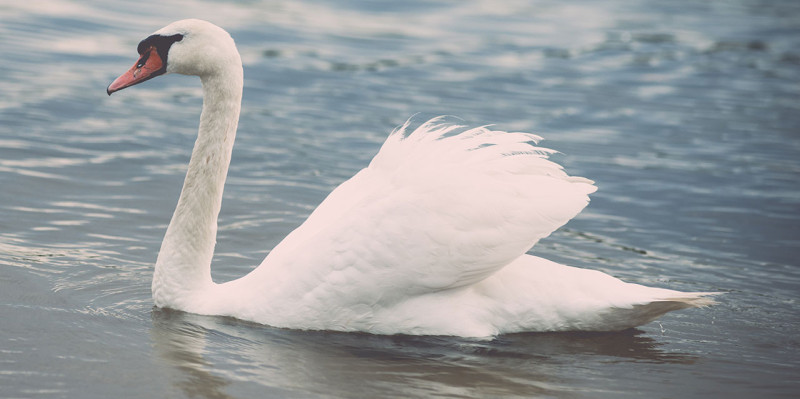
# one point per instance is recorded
(685, 113)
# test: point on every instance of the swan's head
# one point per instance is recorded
(188, 47)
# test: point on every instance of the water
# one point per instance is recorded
(685, 113)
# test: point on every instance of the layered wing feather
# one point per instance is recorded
(438, 208)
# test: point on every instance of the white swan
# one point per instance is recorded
(430, 238)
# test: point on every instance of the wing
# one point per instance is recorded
(439, 208)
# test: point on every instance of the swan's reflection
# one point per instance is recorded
(212, 354)
(181, 345)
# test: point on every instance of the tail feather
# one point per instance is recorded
(692, 299)
(621, 318)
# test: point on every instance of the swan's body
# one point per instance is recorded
(429, 239)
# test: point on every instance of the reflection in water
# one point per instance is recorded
(209, 353)
(181, 345)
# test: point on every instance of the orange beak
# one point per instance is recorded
(148, 66)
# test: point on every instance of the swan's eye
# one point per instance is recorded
(144, 58)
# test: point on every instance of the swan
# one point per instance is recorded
(429, 239)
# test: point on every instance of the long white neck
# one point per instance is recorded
(183, 267)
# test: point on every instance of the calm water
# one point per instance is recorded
(686, 113)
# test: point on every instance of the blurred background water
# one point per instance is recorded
(685, 113)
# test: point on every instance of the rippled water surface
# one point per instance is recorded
(686, 113)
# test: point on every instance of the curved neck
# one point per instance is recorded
(183, 266)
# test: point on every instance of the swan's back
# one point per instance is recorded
(438, 208)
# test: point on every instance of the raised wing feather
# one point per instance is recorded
(439, 208)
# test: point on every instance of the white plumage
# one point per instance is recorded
(430, 238)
